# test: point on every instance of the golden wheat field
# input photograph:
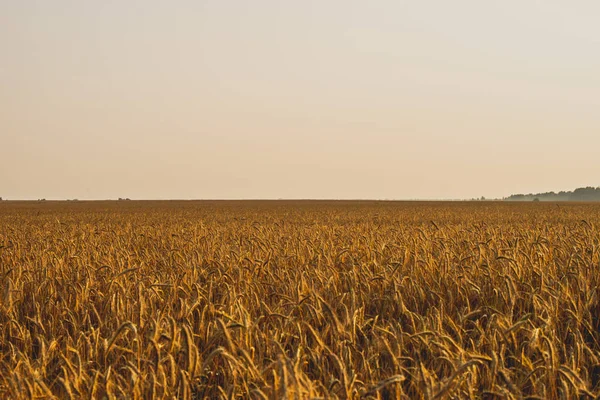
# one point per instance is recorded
(299, 299)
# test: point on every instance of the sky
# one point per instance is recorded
(218, 99)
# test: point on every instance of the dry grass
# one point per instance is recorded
(299, 300)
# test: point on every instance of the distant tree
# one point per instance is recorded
(0, 198)
(585, 194)
(536, 199)
(580, 194)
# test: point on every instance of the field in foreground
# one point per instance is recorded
(299, 300)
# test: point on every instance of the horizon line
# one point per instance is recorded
(246, 199)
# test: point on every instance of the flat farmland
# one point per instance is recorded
(299, 299)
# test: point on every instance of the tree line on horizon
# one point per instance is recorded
(580, 194)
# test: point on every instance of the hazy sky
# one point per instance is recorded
(298, 99)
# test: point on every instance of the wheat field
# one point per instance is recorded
(299, 300)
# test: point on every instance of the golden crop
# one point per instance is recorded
(299, 300)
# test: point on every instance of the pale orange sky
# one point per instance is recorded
(305, 99)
